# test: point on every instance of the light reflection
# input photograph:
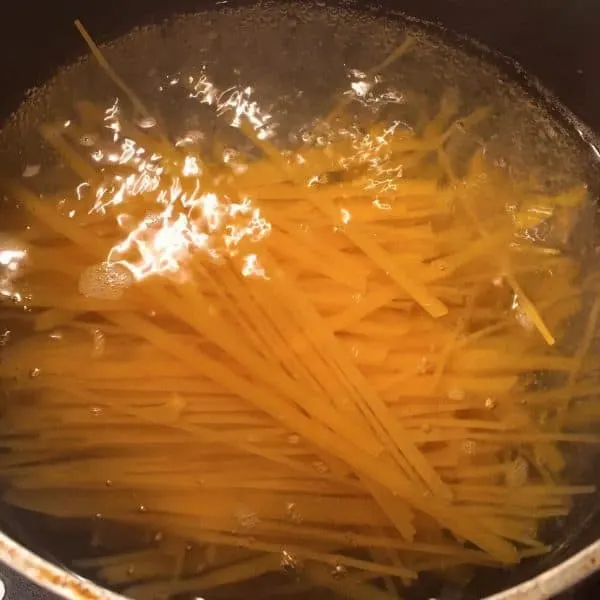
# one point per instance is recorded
(189, 217)
(181, 211)
(11, 257)
(372, 150)
(377, 203)
(79, 189)
(362, 90)
(11, 260)
(184, 210)
(31, 170)
(191, 167)
(316, 179)
(586, 138)
(520, 314)
(253, 268)
(147, 123)
(235, 102)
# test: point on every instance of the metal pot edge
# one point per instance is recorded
(73, 587)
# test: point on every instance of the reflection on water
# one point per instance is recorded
(315, 318)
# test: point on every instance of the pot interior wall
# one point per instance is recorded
(553, 40)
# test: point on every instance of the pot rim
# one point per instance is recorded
(70, 586)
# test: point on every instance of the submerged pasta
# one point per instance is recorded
(320, 358)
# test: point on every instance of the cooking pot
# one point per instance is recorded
(555, 42)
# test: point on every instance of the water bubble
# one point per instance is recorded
(98, 516)
(99, 343)
(159, 536)
(491, 403)
(147, 122)
(339, 572)
(523, 320)
(320, 467)
(307, 137)
(426, 428)
(292, 512)
(142, 508)
(195, 135)
(108, 483)
(35, 373)
(293, 439)
(130, 570)
(104, 281)
(96, 411)
(5, 337)
(469, 447)
(288, 561)
(247, 518)
(520, 314)
(88, 140)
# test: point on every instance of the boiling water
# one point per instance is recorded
(286, 66)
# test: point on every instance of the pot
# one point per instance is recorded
(555, 43)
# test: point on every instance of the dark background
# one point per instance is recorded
(558, 41)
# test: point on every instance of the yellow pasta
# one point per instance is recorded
(288, 368)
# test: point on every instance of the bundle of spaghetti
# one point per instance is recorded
(317, 359)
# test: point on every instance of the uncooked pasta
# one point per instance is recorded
(335, 363)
